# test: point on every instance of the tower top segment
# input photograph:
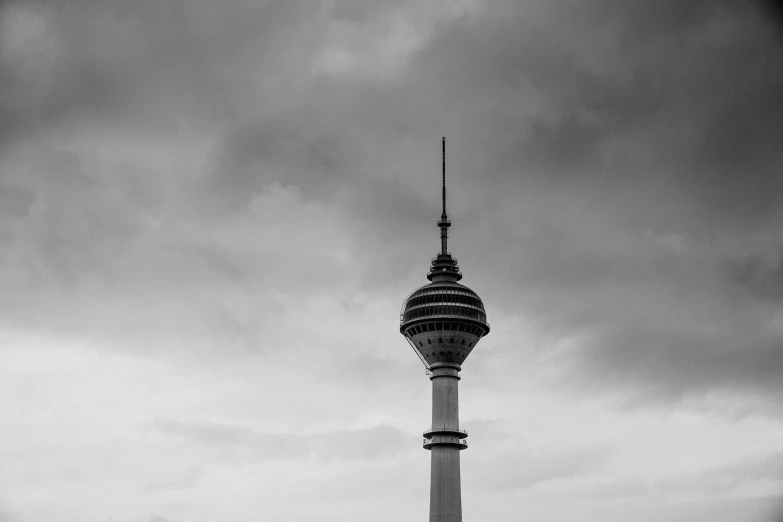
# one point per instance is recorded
(444, 319)
(444, 267)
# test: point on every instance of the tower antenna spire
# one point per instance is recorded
(443, 216)
(444, 222)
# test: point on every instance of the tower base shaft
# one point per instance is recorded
(445, 493)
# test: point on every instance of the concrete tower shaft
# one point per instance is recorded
(445, 440)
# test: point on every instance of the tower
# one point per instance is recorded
(443, 321)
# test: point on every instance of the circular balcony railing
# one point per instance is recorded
(462, 434)
(444, 436)
(444, 441)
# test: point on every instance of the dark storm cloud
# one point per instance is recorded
(122, 78)
(42, 82)
(310, 151)
(774, 9)
(142, 65)
(647, 112)
(600, 153)
(694, 86)
(15, 201)
(652, 161)
(759, 275)
(460, 69)
(657, 363)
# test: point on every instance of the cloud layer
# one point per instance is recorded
(210, 212)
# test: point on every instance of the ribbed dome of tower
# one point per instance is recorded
(444, 299)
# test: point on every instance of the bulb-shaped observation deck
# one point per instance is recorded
(443, 320)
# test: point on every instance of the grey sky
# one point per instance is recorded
(210, 213)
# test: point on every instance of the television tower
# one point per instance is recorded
(443, 321)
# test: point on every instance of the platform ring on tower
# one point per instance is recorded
(428, 444)
(428, 434)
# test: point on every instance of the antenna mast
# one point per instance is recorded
(444, 222)
(443, 216)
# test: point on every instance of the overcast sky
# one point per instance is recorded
(211, 211)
